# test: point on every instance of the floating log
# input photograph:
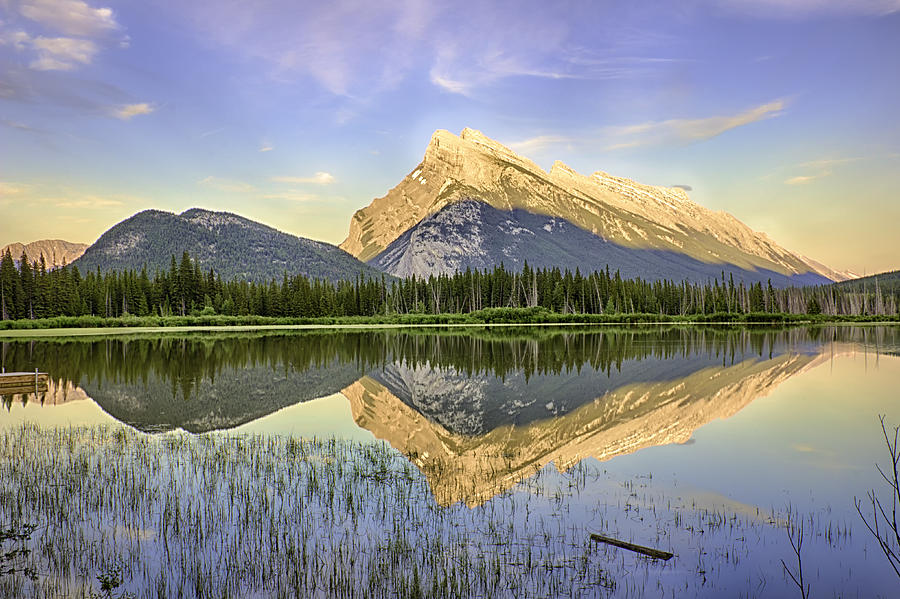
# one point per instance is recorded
(649, 551)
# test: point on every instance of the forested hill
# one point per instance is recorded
(888, 282)
(232, 246)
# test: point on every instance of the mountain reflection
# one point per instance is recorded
(477, 411)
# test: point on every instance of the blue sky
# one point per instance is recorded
(783, 113)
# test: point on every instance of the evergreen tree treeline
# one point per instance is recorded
(29, 291)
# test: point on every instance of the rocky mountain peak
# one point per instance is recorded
(56, 252)
(631, 214)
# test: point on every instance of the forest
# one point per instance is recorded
(32, 291)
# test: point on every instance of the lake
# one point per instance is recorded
(450, 462)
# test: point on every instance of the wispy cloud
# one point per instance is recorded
(780, 9)
(21, 126)
(504, 40)
(292, 195)
(129, 111)
(817, 169)
(227, 185)
(320, 178)
(349, 48)
(266, 148)
(536, 144)
(804, 179)
(499, 42)
(211, 132)
(685, 131)
(652, 133)
(10, 189)
(72, 17)
(828, 163)
(89, 202)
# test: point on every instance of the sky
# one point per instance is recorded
(296, 114)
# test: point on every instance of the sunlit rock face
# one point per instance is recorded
(626, 213)
(55, 252)
(472, 468)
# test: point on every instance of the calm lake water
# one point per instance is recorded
(703, 441)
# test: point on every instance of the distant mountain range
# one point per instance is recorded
(233, 246)
(474, 202)
(56, 252)
(470, 203)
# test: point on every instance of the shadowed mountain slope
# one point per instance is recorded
(472, 234)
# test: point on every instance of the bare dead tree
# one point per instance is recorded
(883, 521)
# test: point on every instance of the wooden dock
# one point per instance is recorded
(12, 383)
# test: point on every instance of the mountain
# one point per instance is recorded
(625, 215)
(56, 252)
(233, 246)
(472, 234)
(233, 397)
(473, 468)
(886, 282)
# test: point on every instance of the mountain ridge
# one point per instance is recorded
(56, 252)
(631, 214)
(469, 234)
(233, 246)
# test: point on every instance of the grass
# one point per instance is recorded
(219, 515)
(526, 317)
(517, 316)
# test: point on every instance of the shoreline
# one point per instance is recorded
(26, 333)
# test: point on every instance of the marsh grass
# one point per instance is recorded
(215, 515)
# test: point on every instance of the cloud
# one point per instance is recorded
(62, 53)
(350, 48)
(685, 131)
(227, 185)
(804, 179)
(21, 126)
(132, 110)
(522, 39)
(781, 9)
(668, 132)
(538, 143)
(72, 17)
(88, 202)
(61, 89)
(684, 187)
(498, 42)
(320, 178)
(86, 30)
(52, 53)
(292, 195)
(266, 148)
(827, 163)
(19, 40)
(11, 189)
(211, 132)
(819, 169)
(464, 76)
